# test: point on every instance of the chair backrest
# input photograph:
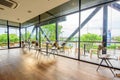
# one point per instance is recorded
(36, 43)
(99, 50)
(55, 44)
(98, 53)
(23, 44)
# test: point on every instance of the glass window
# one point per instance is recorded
(113, 31)
(29, 31)
(23, 34)
(69, 35)
(48, 34)
(3, 37)
(91, 34)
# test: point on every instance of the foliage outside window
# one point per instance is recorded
(49, 31)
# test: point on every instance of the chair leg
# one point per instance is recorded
(110, 63)
(110, 68)
(99, 64)
(37, 54)
(54, 51)
(53, 54)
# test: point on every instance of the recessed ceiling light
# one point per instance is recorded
(18, 19)
(29, 11)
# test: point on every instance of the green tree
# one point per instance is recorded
(27, 34)
(90, 37)
(49, 30)
(13, 38)
(3, 38)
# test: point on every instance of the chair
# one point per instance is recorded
(23, 44)
(91, 51)
(54, 48)
(81, 51)
(67, 49)
(106, 58)
(37, 47)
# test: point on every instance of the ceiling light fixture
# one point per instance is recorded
(18, 19)
(29, 11)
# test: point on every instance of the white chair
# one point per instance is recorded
(106, 58)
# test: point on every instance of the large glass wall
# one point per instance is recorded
(3, 37)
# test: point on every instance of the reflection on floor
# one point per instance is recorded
(87, 56)
(16, 65)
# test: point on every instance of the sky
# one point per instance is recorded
(94, 25)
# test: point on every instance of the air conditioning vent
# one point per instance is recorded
(9, 3)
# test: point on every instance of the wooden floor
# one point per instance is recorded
(15, 65)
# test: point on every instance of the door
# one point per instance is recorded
(14, 39)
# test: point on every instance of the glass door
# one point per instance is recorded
(14, 37)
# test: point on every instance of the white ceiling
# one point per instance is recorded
(20, 13)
